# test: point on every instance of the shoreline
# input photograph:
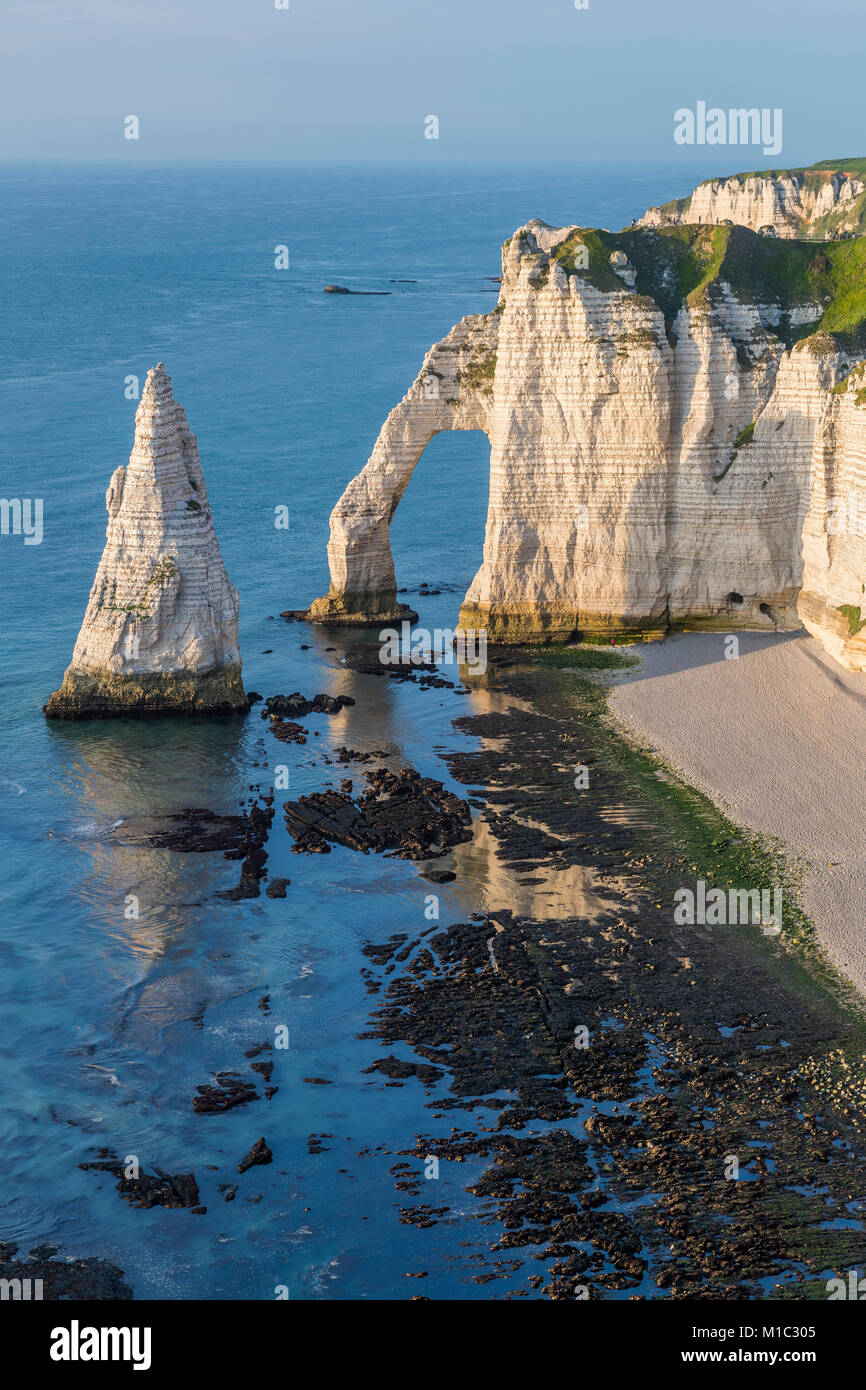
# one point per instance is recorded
(769, 738)
(608, 1154)
(590, 1066)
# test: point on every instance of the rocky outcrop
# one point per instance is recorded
(160, 634)
(453, 391)
(819, 203)
(834, 527)
(667, 441)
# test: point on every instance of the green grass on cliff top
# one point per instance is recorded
(687, 264)
(813, 175)
(857, 165)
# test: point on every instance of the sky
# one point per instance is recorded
(354, 81)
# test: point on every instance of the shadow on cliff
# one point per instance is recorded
(742, 533)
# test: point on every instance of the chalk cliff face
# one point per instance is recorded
(667, 446)
(160, 634)
(818, 204)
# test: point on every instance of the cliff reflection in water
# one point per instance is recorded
(121, 778)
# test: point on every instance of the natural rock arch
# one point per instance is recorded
(453, 391)
(650, 455)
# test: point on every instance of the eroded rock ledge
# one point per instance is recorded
(822, 202)
(674, 416)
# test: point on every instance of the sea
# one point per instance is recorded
(108, 1020)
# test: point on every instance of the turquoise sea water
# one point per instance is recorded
(107, 1025)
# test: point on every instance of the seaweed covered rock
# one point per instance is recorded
(402, 814)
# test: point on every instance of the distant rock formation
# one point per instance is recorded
(341, 289)
(821, 203)
(160, 634)
(677, 440)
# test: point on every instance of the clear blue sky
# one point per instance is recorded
(344, 81)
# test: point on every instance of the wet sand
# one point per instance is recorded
(775, 738)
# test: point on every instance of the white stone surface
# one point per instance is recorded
(791, 204)
(161, 604)
(623, 491)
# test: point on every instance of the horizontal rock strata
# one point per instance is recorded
(818, 203)
(669, 440)
(160, 634)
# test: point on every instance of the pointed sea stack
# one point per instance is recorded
(160, 635)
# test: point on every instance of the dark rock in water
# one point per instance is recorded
(296, 615)
(148, 1190)
(198, 830)
(404, 814)
(341, 289)
(247, 888)
(193, 831)
(287, 731)
(424, 590)
(257, 826)
(229, 1091)
(396, 1070)
(439, 875)
(258, 1154)
(317, 1081)
(352, 755)
(296, 705)
(254, 697)
(277, 887)
(368, 662)
(79, 1280)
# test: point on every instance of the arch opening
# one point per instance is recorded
(437, 529)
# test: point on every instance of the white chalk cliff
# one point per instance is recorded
(668, 448)
(819, 203)
(160, 634)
